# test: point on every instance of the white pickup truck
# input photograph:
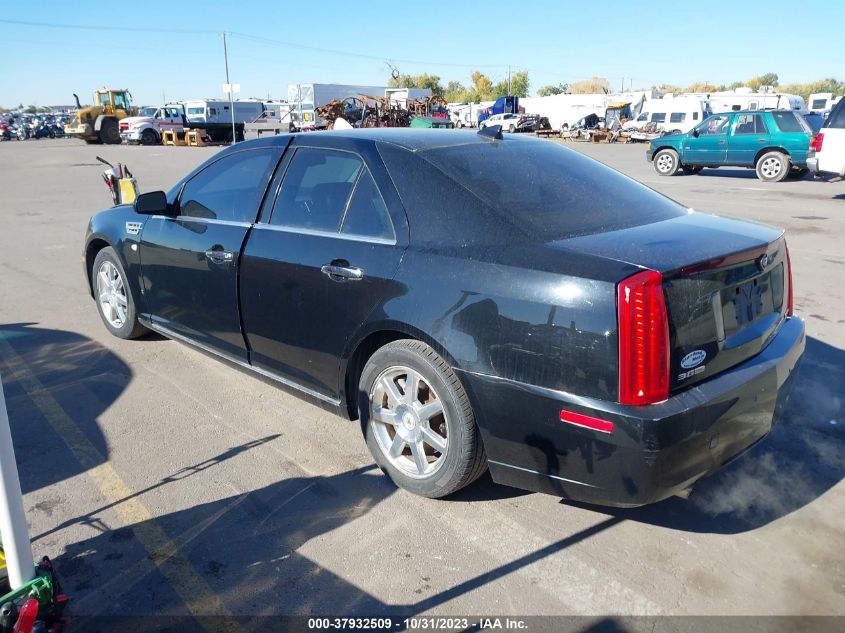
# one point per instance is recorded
(146, 128)
(827, 149)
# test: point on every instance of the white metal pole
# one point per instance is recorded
(231, 91)
(13, 529)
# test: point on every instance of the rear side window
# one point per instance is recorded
(837, 116)
(818, 104)
(658, 117)
(677, 117)
(788, 122)
(749, 124)
(316, 188)
(367, 214)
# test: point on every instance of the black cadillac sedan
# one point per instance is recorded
(475, 301)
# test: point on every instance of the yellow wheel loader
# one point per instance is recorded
(99, 123)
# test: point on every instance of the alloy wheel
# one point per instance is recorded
(111, 293)
(409, 422)
(771, 168)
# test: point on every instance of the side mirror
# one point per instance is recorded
(152, 203)
(694, 133)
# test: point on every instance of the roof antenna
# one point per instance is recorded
(492, 132)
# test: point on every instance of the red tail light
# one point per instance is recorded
(816, 143)
(790, 305)
(643, 339)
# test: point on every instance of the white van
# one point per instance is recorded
(676, 115)
(827, 149)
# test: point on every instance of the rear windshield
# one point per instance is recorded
(539, 189)
(837, 116)
(789, 122)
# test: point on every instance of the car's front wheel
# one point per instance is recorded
(114, 297)
(149, 137)
(666, 162)
(417, 420)
(772, 167)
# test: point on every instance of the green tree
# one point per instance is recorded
(546, 91)
(418, 81)
(455, 92)
(701, 86)
(518, 86)
(594, 85)
(767, 79)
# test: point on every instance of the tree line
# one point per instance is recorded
(482, 88)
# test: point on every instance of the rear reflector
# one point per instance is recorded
(790, 305)
(579, 419)
(643, 339)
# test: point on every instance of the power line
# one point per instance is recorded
(93, 27)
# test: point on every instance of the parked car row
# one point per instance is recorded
(777, 144)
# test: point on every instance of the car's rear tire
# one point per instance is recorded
(113, 295)
(512, 128)
(772, 166)
(692, 169)
(424, 439)
(666, 162)
(149, 137)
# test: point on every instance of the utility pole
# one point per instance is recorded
(509, 79)
(231, 90)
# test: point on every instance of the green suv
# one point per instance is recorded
(772, 142)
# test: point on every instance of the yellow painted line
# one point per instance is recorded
(198, 597)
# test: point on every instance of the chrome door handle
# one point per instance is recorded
(342, 273)
(220, 257)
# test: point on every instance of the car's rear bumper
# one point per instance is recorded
(813, 164)
(653, 452)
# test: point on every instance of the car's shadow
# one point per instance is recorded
(57, 384)
(802, 458)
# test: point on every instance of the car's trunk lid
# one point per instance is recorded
(725, 283)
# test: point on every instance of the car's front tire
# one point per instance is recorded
(418, 421)
(115, 303)
(772, 167)
(666, 162)
(149, 137)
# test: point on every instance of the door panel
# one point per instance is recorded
(748, 135)
(189, 263)
(711, 146)
(297, 318)
(189, 278)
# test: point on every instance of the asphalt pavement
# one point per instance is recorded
(163, 482)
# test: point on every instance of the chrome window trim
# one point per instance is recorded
(268, 374)
(189, 218)
(342, 236)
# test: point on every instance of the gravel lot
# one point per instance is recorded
(163, 482)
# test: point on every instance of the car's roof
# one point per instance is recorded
(414, 139)
(758, 111)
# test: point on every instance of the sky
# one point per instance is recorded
(174, 51)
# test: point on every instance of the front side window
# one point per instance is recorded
(677, 117)
(316, 188)
(714, 125)
(104, 98)
(749, 124)
(231, 188)
(643, 117)
(658, 117)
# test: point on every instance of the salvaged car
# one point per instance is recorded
(475, 301)
(772, 142)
